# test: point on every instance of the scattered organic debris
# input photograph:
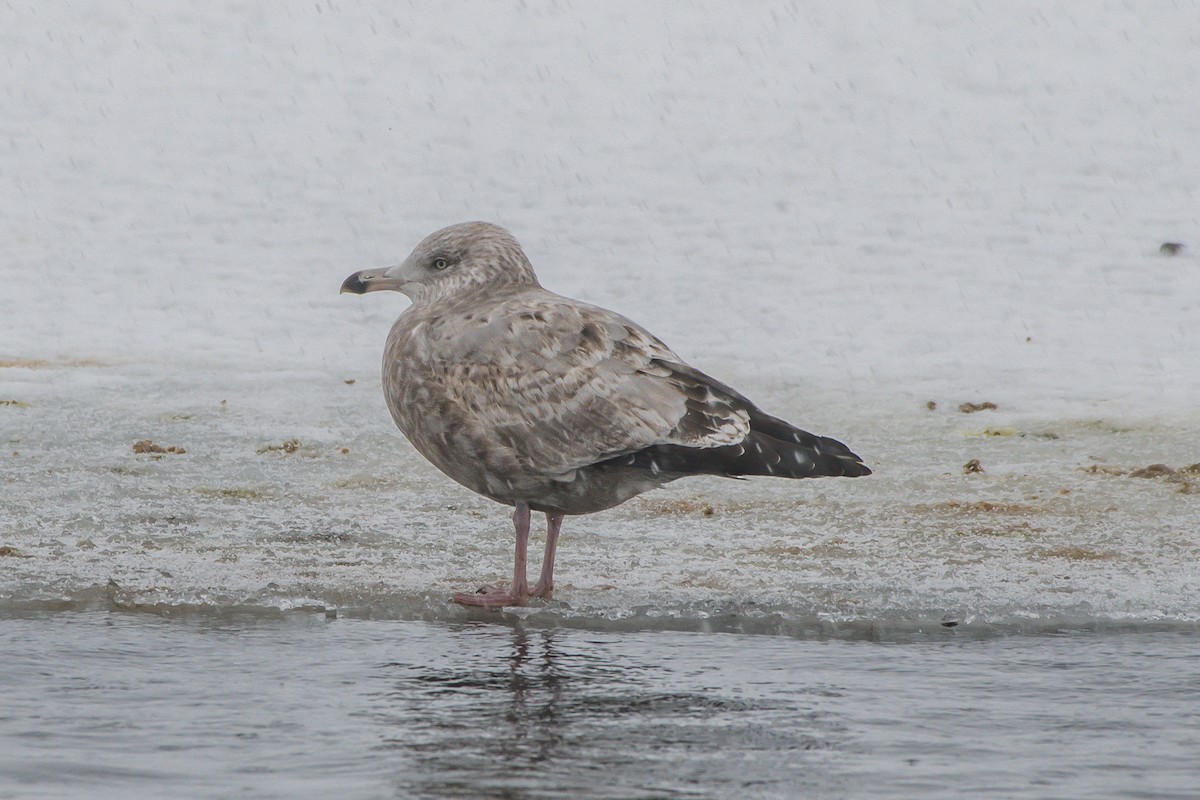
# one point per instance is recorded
(350, 381)
(1185, 477)
(345, 450)
(289, 446)
(971, 408)
(931, 405)
(972, 467)
(837, 547)
(976, 507)
(1102, 469)
(366, 480)
(232, 493)
(1001, 432)
(1072, 553)
(1019, 528)
(1170, 248)
(147, 446)
(683, 506)
(8, 550)
(17, 403)
(1103, 426)
(41, 363)
(1153, 471)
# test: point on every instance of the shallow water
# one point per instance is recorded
(120, 705)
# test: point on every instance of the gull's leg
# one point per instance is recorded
(494, 597)
(545, 584)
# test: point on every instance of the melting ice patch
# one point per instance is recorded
(262, 512)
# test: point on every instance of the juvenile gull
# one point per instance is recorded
(548, 404)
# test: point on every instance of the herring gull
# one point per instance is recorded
(548, 404)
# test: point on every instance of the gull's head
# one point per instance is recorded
(456, 260)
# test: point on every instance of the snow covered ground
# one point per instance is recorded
(845, 211)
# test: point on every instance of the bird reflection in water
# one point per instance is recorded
(508, 717)
(521, 712)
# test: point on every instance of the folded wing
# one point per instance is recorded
(564, 385)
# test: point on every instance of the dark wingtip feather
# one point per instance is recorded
(832, 457)
(773, 446)
(851, 465)
(758, 454)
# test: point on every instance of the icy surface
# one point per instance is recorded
(846, 213)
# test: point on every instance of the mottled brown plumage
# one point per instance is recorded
(543, 402)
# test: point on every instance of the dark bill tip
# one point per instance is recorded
(354, 284)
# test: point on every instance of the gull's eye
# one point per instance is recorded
(440, 263)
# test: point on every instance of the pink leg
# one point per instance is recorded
(495, 597)
(545, 584)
